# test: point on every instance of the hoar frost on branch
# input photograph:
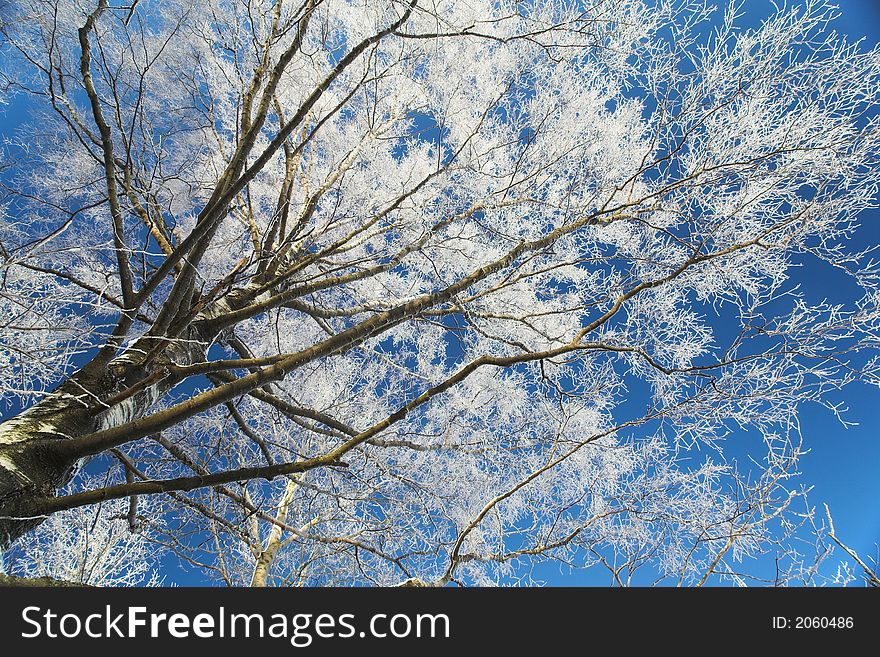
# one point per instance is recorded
(340, 292)
(111, 544)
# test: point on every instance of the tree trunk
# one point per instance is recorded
(273, 542)
(31, 466)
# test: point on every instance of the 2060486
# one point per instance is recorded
(823, 622)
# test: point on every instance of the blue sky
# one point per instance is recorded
(843, 464)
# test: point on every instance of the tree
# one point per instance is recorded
(107, 545)
(336, 291)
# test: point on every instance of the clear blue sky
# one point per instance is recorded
(844, 463)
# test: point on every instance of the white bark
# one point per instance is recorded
(273, 542)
